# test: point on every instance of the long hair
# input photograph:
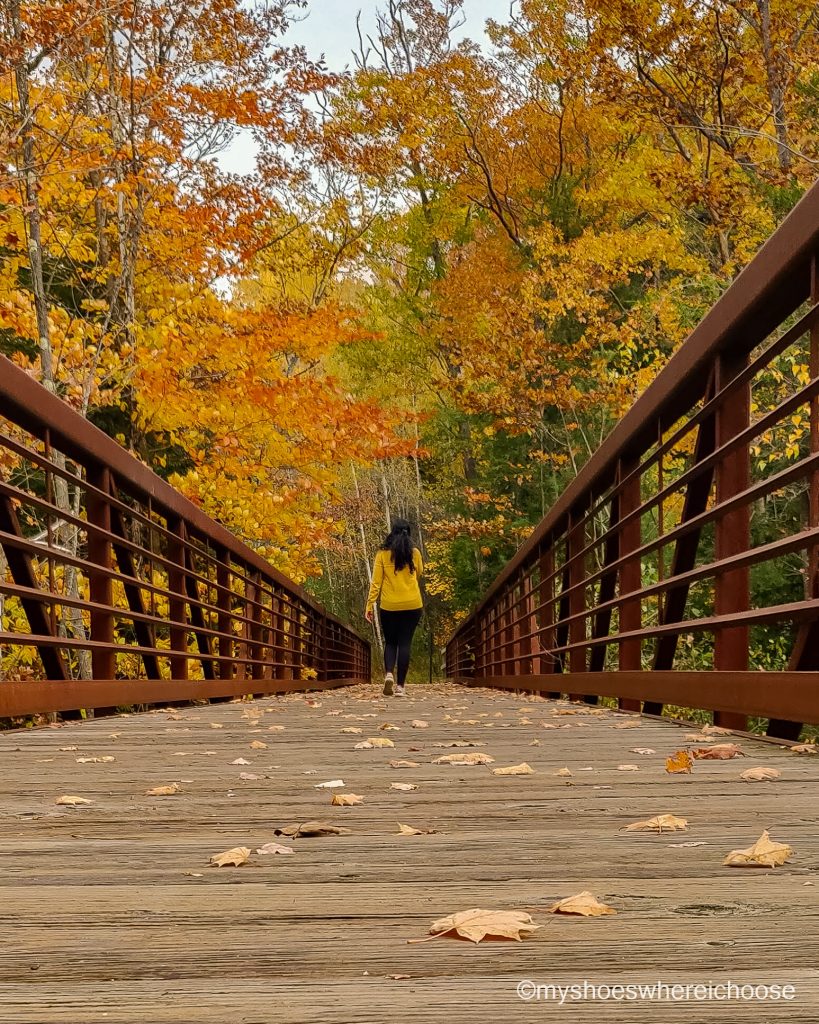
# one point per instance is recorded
(399, 543)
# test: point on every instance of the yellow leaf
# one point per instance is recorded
(464, 759)
(584, 903)
(761, 774)
(231, 858)
(171, 790)
(258, 745)
(409, 830)
(563, 772)
(662, 823)
(515, 769)
(477, 925)
(764, 853)
(346, 799)
(73, 801)
(404, 787)
(679, 762)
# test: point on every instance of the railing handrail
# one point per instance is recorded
(776, 276)
(30, 405)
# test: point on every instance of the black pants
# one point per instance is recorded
(398, 629)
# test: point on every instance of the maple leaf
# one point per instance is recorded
(231, 858)
(583, 903)
(72, 801)
(563, 773)
(720, 752)
(477, 925)
(258, 745)
(404, 764)
(761, 774)
(311, 829)
(275, 848)
(464, 759)
(404, 787)
(515, 769)
(418, 723)
(410, 830)
(764, 853)
(680, 762)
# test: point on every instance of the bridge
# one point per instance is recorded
(229, 709)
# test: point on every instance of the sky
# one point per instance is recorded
(328, 27)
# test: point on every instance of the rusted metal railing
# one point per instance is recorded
(680, 567)
(116, 590)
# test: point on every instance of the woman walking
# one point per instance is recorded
(396, 577)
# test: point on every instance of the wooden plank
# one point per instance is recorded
(104, 908)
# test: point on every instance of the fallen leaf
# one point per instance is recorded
(642, 750)
(679, 762)
(275, 728)
(627, 725)
(73, 801)
(404, 764)
(249, 776)
(534, 743)
(240, 760)
(332, 784)
(346, 799)
(399, 977)
(716, 730)
(389, 727)
(66, 749)
(216, 725)
(193, 874)
(275, 848)
(798, 748)
(311, 829)
(461, 743)
(231, 858)
(171, 790)
(464, 759)
(258, 745)
(761, 774)
(764, 853)
(662, 823)
(477, 925)
(515, 769)
(410, 830)
(628, 768)
(684, 846)
(353, 729)
(418, 723)
(380, 741)
(720, 752)
(563, 772)
(404, 787)
(584, 903)
(95, 760)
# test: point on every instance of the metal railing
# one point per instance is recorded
(116, 590)
(680, 566)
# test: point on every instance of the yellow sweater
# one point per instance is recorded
(395, 591)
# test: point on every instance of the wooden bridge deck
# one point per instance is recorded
(110, 912)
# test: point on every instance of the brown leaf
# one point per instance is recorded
(662, 823)
(404, 787)
(389, 727)
(515, 769)
(311, 829)
(240, 760)
(419, 723)
(761, 774)
(464, 759)
(380, 741)
(171, 790)
(216, 725)
(409, 830)
(231, 858)
(804, 748)
(584, 903)
(563, 772)
(95, 760)
(764, 853)
(275, 848)
(477, 925)
(72, 801)
(461, 743)
(720, 752)
(627, 725)
(404, 764)
(258, 745)
(346, 799)
(680, 762)
(353, 729)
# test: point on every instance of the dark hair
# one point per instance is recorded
(399, 544)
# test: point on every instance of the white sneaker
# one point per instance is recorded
(389, 679)
(400, 691)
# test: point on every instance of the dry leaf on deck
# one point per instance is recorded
(684, 846)
(534, 743)
(353, 729)
(231, 858)
(404, 764)
(346, 799)
(275, 848)
(461, 743)
(802, 748)
(249, 776)
(216, 725)
(584, 903)
(662, 823)
(515, 769)
(464, 759)
(761, 774)
(311, 828)
(764, 853)
(477, 925)
(332, 784)
(275, 728)
(409, 830)
(380, 741)
(716, 730)
(73, 801)
(642, 750)
(171, 790)
(404, 787)
(627, 725)
(258, 745)
(240, 760)
(563, 772)
(95, 760)
(628, 768)
(67, 748)
(419, 723)
(679, 762)
(389, 727)
(720, 752)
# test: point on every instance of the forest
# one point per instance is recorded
(446, 274)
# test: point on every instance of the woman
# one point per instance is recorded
(396, 576)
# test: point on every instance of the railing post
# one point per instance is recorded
(178, 629)
(576, 541)
(224, 602)
(255, 613)
(546, 598)
(631, 574)
(732, 533)
(100, 580)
